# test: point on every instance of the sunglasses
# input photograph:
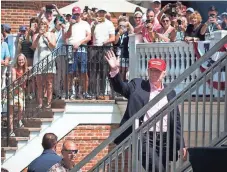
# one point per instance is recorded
(71, 151)
(165, 21)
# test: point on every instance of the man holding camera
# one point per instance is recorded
(79, 33)
(212, 23)
(23, 46)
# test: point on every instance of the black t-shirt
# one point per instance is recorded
(26, 50)
(191, 32)
(123, 44)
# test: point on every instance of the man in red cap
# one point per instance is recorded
(139, 92)
(79, 34)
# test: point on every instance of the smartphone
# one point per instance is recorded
(61, 19)
(50, 7)
(124, 14)
(148, 21)
(179, 22)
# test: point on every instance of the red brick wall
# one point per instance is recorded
(18, 13)
(87, 138)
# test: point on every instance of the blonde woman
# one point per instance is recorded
(192, 32)
(43, 43)
(17, 93)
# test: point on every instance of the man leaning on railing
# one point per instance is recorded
(139, 92)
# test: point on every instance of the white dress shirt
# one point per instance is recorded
(154, 92)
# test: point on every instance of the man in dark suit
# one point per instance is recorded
(139, 92)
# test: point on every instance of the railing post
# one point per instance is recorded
(132, 56)
(134, 148)
(66, 70)
(8, 82)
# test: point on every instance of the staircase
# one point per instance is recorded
(18, 151)
(203, 121)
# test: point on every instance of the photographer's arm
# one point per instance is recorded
(173, 35)
(69, 32)
(138, 29)
(204, 28)
(59, 13)
(131, 29)
(51, 39)
(117, 37)
(110, 40)
(35, 40)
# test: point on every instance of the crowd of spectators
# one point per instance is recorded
(93, 27)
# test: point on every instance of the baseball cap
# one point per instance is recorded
(76, 10)
(101, 9)
(156, 1)
(22, 28)
(190, 10)
(7, 27)
(157, 64)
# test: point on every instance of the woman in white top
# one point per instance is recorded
(43, 43)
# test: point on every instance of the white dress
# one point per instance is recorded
(44, 60)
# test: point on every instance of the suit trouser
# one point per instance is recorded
(157, 152)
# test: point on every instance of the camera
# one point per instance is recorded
(49, 7)
(172, 11)
(148, 21)
(124, 14)
(179, 22)
(93, 9)
(86, 9)
(212, 15)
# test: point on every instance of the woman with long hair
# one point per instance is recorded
(43, 43)
(17, 93)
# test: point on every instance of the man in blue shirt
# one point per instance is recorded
(5, 56)
(48, 158)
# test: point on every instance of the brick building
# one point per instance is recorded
(17, 13)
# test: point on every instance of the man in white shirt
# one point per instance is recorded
(79, 34)
(103, 35)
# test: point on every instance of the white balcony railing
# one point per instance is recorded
(178, 56)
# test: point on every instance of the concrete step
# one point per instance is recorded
(12, 141)
(35, 122)
(25, 131)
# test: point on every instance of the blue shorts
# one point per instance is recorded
(79, 62)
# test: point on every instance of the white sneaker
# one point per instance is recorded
(12, 134)
(20, 123)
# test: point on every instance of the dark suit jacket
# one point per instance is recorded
(138, 93)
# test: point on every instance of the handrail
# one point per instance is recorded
(150, 104)
(28, 72)
(170, 103)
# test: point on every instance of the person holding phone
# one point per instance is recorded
(121, 42)
(166, 33)
(150, 27)
(180, 27)
(60, 35)
(43, 43)
(212, 23)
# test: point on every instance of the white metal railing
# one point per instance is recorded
(178, 56)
